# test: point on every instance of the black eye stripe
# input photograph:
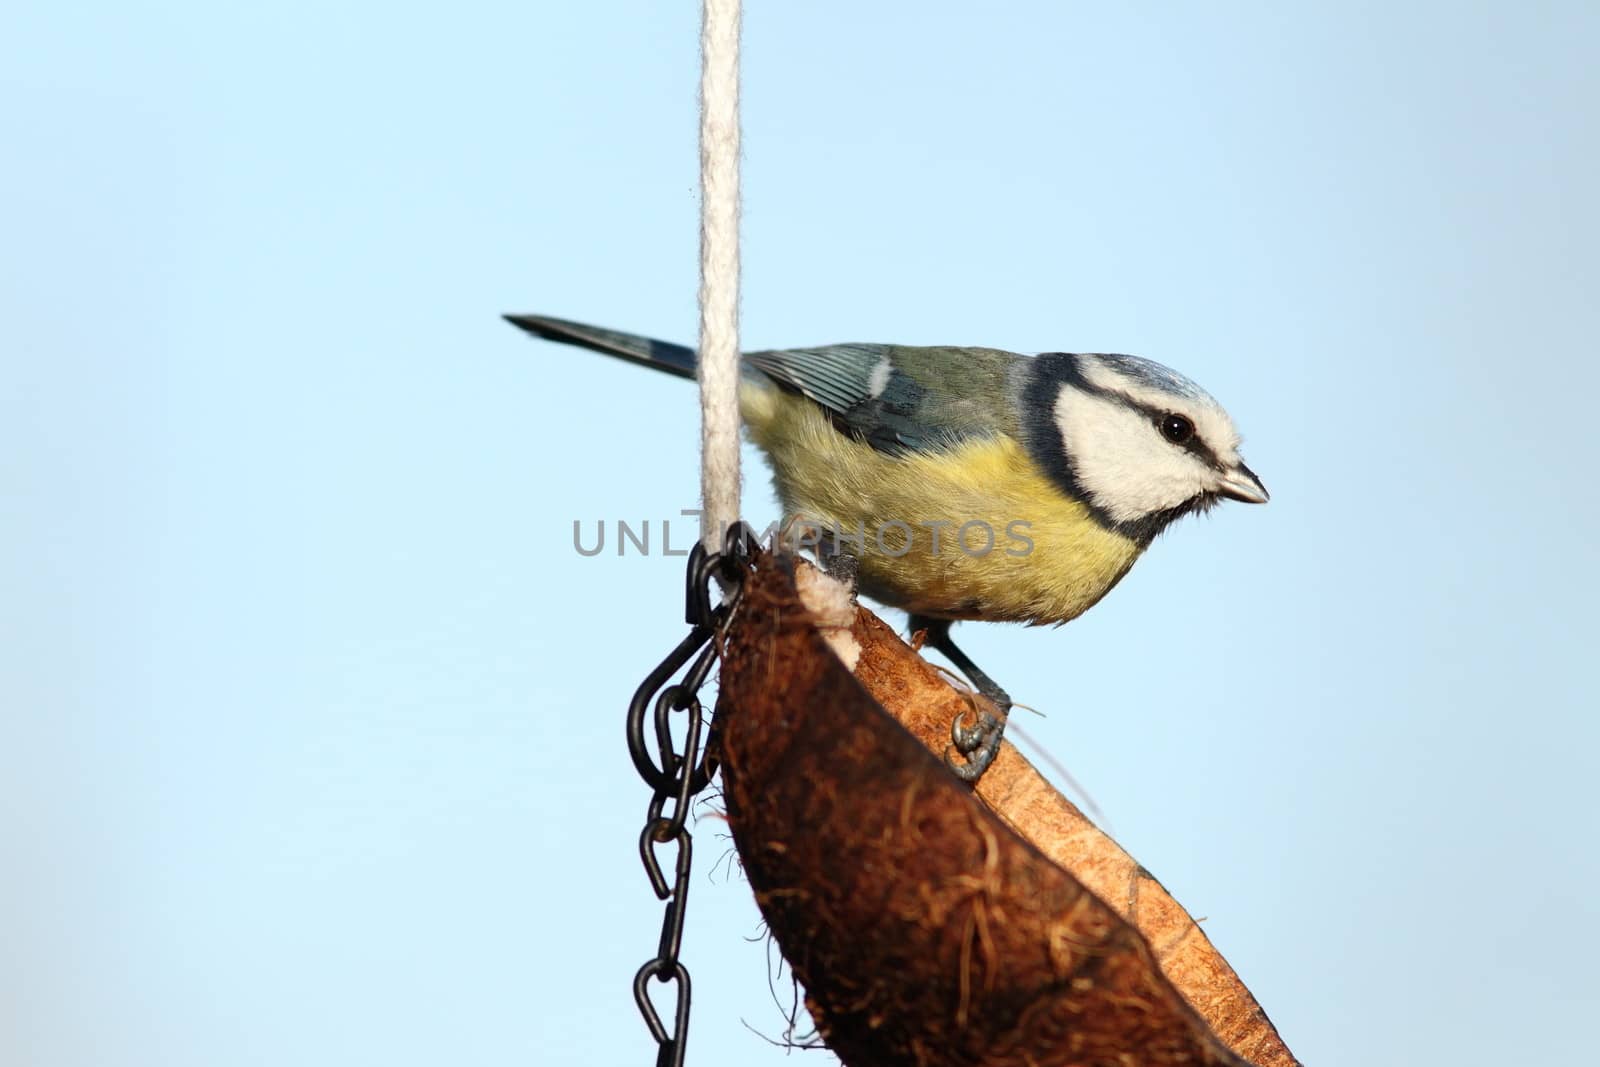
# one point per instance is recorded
(1194, 444)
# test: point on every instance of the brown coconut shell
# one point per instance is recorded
(932, 924)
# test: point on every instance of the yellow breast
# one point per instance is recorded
(973, 532)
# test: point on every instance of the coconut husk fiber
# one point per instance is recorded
(931, 923)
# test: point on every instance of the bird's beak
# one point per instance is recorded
(1242, 484)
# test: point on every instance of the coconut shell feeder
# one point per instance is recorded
(932, 923)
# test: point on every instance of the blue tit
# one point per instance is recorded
(972, 483)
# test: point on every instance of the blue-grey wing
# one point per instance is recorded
(897, 398)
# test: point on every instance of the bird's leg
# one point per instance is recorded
(978, 744)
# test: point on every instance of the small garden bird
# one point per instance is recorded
(972, 483)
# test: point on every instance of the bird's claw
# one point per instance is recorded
(978, 744)
(967, 738)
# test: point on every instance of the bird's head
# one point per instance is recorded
(1139, 443)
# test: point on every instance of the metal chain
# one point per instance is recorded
(680, 774)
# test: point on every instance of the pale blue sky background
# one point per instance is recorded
(311, 736)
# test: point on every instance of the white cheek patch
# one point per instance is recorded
(1126, 468)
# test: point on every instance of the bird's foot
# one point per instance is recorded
(979, 743)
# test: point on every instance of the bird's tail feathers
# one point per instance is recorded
(661, 355)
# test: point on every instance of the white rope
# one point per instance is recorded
(719, 269)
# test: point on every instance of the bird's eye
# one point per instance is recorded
(1176, 428)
